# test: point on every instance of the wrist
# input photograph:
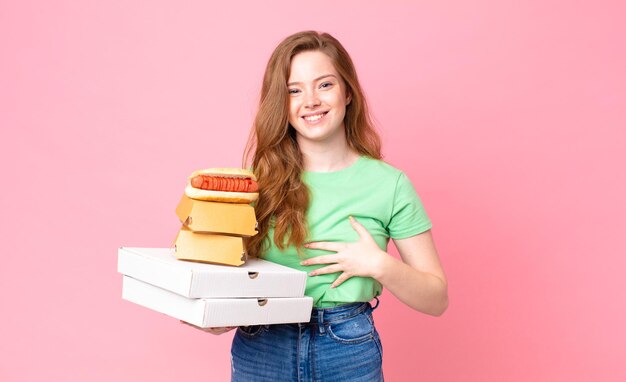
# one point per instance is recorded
(381, 266)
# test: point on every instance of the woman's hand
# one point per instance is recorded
(361, 258)
(215, 331)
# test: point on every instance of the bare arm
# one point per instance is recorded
(418, 280)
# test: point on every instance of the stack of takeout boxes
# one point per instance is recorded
(212, 295)
(220, 286)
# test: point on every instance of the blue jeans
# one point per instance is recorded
(338, 344)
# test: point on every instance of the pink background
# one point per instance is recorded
(509, 118)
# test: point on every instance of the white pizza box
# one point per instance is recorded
(218, 312)
(255, 278)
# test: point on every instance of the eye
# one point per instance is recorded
(325, 85)
(294, 91)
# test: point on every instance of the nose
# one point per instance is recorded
(312, 100)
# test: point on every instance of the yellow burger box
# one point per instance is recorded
(211, 295)
(235, 219)
(209, 248)
(213, 232)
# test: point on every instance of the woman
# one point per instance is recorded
(329, 205)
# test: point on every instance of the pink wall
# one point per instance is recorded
(509, 119)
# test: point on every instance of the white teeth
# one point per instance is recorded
(313, 118)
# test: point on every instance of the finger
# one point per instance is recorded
(342, 277)
(188, 324)
(219, 330)
(325, 270)
(212, 330)
(324, 259)
(358, 227)
(326, 246)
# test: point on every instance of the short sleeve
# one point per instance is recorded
(408, 217)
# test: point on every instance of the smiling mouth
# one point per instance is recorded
(314, 117)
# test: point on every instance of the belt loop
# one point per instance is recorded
(320, 321)
(377, 302)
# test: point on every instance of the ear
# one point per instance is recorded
(348, 98)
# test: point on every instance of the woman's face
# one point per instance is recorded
(317, 98)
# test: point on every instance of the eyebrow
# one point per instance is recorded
(315, 80)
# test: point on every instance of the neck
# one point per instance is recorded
(327, 156)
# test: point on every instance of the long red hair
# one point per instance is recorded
(276, 157)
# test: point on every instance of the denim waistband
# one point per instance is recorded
(339, 313)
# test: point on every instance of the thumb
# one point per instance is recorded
(358, 227)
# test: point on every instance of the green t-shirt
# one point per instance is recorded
(379, 196)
